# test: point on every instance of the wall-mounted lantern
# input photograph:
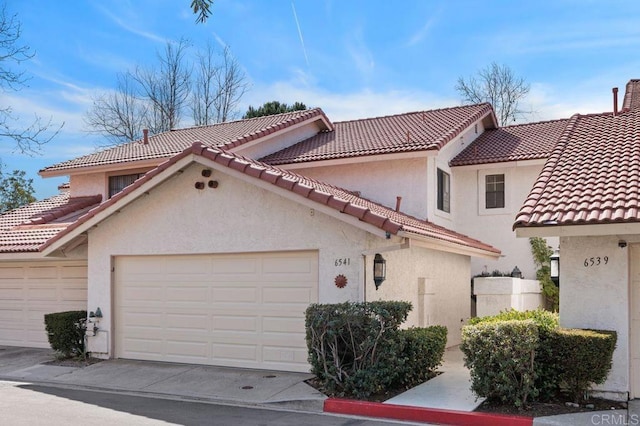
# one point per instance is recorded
(379, 269)
(555, 268)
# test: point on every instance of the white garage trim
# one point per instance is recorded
(29, 290)
(238, 310)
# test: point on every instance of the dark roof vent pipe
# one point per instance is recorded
(398, 201)
(145, 136)
(615, 101)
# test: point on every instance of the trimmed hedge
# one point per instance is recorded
(500, 356)
(65, 331)
(547, 361)
(423, 352)
(587, 358)
(564, 359)
(358, 350)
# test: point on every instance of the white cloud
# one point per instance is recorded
(422, 32)
(349, 106)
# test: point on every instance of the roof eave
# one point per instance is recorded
(577, 230)
(124, 165)
(441, 245)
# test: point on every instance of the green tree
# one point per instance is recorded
(273, 107)
(15, 190)
(542, 258)
(201, 8)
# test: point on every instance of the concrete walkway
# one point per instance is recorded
(451, 390)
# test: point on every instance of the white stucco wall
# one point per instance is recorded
(437, 284)
(176, 218)
(494, 226)
(596, 296)
(381, 181)
(497, 294)
(88, 184)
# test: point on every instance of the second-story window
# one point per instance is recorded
(444, 191)
(494, 191)
(118, 183)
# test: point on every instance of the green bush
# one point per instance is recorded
(587, 358)
(547, 362)
(500, 357)
(571, 358)
(423, 351)
(65, 331)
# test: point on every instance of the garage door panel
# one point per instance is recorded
(8, 294)
(249, 304)
(42, 272)
(29, 290)
(233, 352)
(238, 295)
(11, 273)
(287, 295)
(282, 325)
(235, 323)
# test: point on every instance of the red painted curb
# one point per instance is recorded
(420, 414)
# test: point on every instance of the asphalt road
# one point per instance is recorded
(34, 405)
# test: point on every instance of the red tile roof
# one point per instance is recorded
(512, 143)
(25, 229)
(592, 176)
(631, 96)
(339, 199)
(168, 144)
(415, 131)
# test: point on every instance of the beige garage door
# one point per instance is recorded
(30, 290)
(239, 310)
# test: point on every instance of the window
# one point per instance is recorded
(444, 191)
(118, 183)
(494, 191)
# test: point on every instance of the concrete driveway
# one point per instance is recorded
(167, 380)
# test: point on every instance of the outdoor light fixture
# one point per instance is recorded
(555, 268)
(379, 269)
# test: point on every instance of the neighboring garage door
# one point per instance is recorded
(238, 310)
(29, 290)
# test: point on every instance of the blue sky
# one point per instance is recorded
(353, 58)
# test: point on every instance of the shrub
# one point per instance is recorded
(586, 358)
(65, 331)
(547, 363)
(500, 356)
(423, 350)
(354, 347)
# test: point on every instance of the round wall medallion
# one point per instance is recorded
(341, 281)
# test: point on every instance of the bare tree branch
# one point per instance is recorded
(29, 139)
(498, 86)
(120, 114)
(232, 85)
(166, 87)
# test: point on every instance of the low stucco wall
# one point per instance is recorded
(496, 294)
(436, 283)
(596, 296)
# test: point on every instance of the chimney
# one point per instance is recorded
(398, 201)
(145, 136)
(615, 101)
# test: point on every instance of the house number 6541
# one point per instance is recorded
(343, 262)
(596, 261)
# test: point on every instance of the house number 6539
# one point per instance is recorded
(596, 261)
